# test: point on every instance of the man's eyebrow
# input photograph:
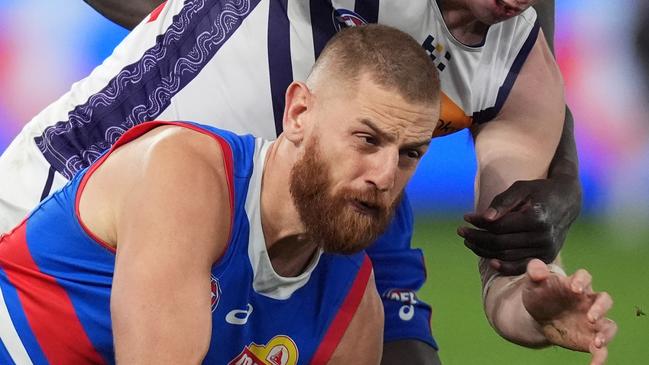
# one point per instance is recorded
(417, 144)
(391, 138)
(384, 135)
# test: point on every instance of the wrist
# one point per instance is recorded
(508, 316)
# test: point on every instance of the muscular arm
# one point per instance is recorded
(519, 145)
(556, 199)
(540, 307)
(171, 223)
(363, 340)
(127, 13)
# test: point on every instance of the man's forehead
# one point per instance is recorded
(400, 130)
(385, 108)
(395, 115)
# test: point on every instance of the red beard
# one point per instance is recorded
(342, 223)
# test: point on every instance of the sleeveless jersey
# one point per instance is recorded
(55, 282)
(227, 63)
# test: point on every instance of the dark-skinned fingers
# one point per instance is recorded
(526, 220)
(602, 304)
(497, 242)
(503, 255)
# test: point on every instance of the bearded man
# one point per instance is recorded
(186, 244)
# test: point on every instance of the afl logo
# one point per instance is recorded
(408, 298)
(216, 291)
(344, 18)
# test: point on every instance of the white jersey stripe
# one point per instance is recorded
(302, 57)
(345, 4)
(9, 336)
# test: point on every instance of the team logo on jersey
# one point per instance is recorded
(344, 18)
(437, 52)
(216, 291)
(407, 297)
(280, 350)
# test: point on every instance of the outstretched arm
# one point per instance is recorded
(545, 307)
(125, 13)
(520, 145)
(539, 232)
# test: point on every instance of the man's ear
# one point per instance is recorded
(298, 102)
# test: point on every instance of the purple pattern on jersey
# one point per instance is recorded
(143, 90)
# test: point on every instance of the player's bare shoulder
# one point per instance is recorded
(362, 342)
(169, 168)
(179, 147)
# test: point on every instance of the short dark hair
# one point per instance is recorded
(390, 57)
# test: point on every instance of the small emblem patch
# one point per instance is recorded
(280, 350)
(344, 18)
(407, 297)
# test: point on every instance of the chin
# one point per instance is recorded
(492, 13)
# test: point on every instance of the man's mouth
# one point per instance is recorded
(507, 9)
(365, 207)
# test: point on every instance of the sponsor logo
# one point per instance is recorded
(280, 350)
(343, 18)
(216, 292)
(407, 297)
(239, 316)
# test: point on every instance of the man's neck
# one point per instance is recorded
(289, 253)
(462, 24)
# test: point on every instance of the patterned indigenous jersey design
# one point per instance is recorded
(55, 282)
(177, 77)
(227, 63)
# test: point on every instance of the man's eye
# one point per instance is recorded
(414, 154)
(368, 139)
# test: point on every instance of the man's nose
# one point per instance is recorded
(383, 171)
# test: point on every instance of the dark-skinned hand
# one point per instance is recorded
(528, 220)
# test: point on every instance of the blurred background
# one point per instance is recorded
(45, 46)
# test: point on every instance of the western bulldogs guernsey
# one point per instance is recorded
(55, 282)
(227, 63)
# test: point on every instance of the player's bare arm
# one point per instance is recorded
(557, 198)
(520, 143)
(169, 217)
(362, 342)
(531, 124)
(125, 13)
(546, 307)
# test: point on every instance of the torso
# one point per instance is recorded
(258, 317)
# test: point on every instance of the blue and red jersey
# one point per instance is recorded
(56, 278)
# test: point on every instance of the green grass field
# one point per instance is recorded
(465, 337)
